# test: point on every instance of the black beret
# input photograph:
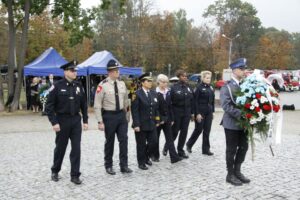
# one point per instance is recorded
(112, 64)
(70, 65)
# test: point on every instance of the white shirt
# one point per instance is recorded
(164, 93)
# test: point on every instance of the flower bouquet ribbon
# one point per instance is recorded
(259, 104)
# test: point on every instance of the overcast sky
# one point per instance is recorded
(281, 14)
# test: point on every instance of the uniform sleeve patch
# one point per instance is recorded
(99, 89)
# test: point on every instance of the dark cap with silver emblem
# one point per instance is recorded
(146, 76)
(112, 64)
(70, 65)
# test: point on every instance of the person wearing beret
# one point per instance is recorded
(236, 137)
(111, 106)
(66, 99)
(182, 99)
(145, 117)
(204, 109)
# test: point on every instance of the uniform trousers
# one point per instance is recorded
(236, 148)
(166, 127)
(115, 123)
(181, 123)
(205, 127)
(70, 128)
(146, 142)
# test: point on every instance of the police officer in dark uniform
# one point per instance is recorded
(236, 137)
(182, 104)
(204, 108)
(66, 99)
(111, 106)
(145, 118)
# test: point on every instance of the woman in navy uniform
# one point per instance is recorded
(204, 109)
(145, 118)
(66, 99)
(182, 104)
(166, 118)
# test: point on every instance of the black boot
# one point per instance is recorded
(231, 178)
(239, 175)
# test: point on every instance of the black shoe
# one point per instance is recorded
(148, 162)
(76, 180)
(154, 159)
(209, 153)
(242, 178)
(183, 155)
(233, 180)
(143, 167)
(165, 152)
(126, 170)
(188, 149)
(110, 171)
(176, 160)
(54, 177)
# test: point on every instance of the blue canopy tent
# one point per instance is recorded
(49, 62)
(96, 64)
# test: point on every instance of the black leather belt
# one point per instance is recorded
(112, 111)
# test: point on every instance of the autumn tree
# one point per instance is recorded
(275, 51)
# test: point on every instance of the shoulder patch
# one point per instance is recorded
(99, 89)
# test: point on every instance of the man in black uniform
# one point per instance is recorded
(66, 99)
(182, 103)
(145, 118)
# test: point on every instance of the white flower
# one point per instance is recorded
(252, 107)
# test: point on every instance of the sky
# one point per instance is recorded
(281, 14)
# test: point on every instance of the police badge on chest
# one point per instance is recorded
(77, 90)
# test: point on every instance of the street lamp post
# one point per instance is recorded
(169, 70)
(230, 46)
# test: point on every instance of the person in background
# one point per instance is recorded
(204, 109)
(34, 94)
(166, 118)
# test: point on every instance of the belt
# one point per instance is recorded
(67, 114)
(112, 111)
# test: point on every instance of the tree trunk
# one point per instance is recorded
(11, 51)
(21, 61)
(1, 95)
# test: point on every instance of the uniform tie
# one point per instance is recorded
(117, 97)
(148, 96)
(72, 100)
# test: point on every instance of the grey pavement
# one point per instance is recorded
(26, 149)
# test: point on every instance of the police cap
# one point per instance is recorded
(239, 63)
(70, 65)
(146, 76)
(112, 64)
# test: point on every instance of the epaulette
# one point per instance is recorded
(104, 81)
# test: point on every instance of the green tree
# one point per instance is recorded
(74, 19)
(235, 17)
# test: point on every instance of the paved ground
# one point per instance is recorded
(26, 151)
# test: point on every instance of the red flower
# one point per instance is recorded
(267, 107)
(247, 105)
(258, 95)
(248, 115)
(257, 109)
(276, 108)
